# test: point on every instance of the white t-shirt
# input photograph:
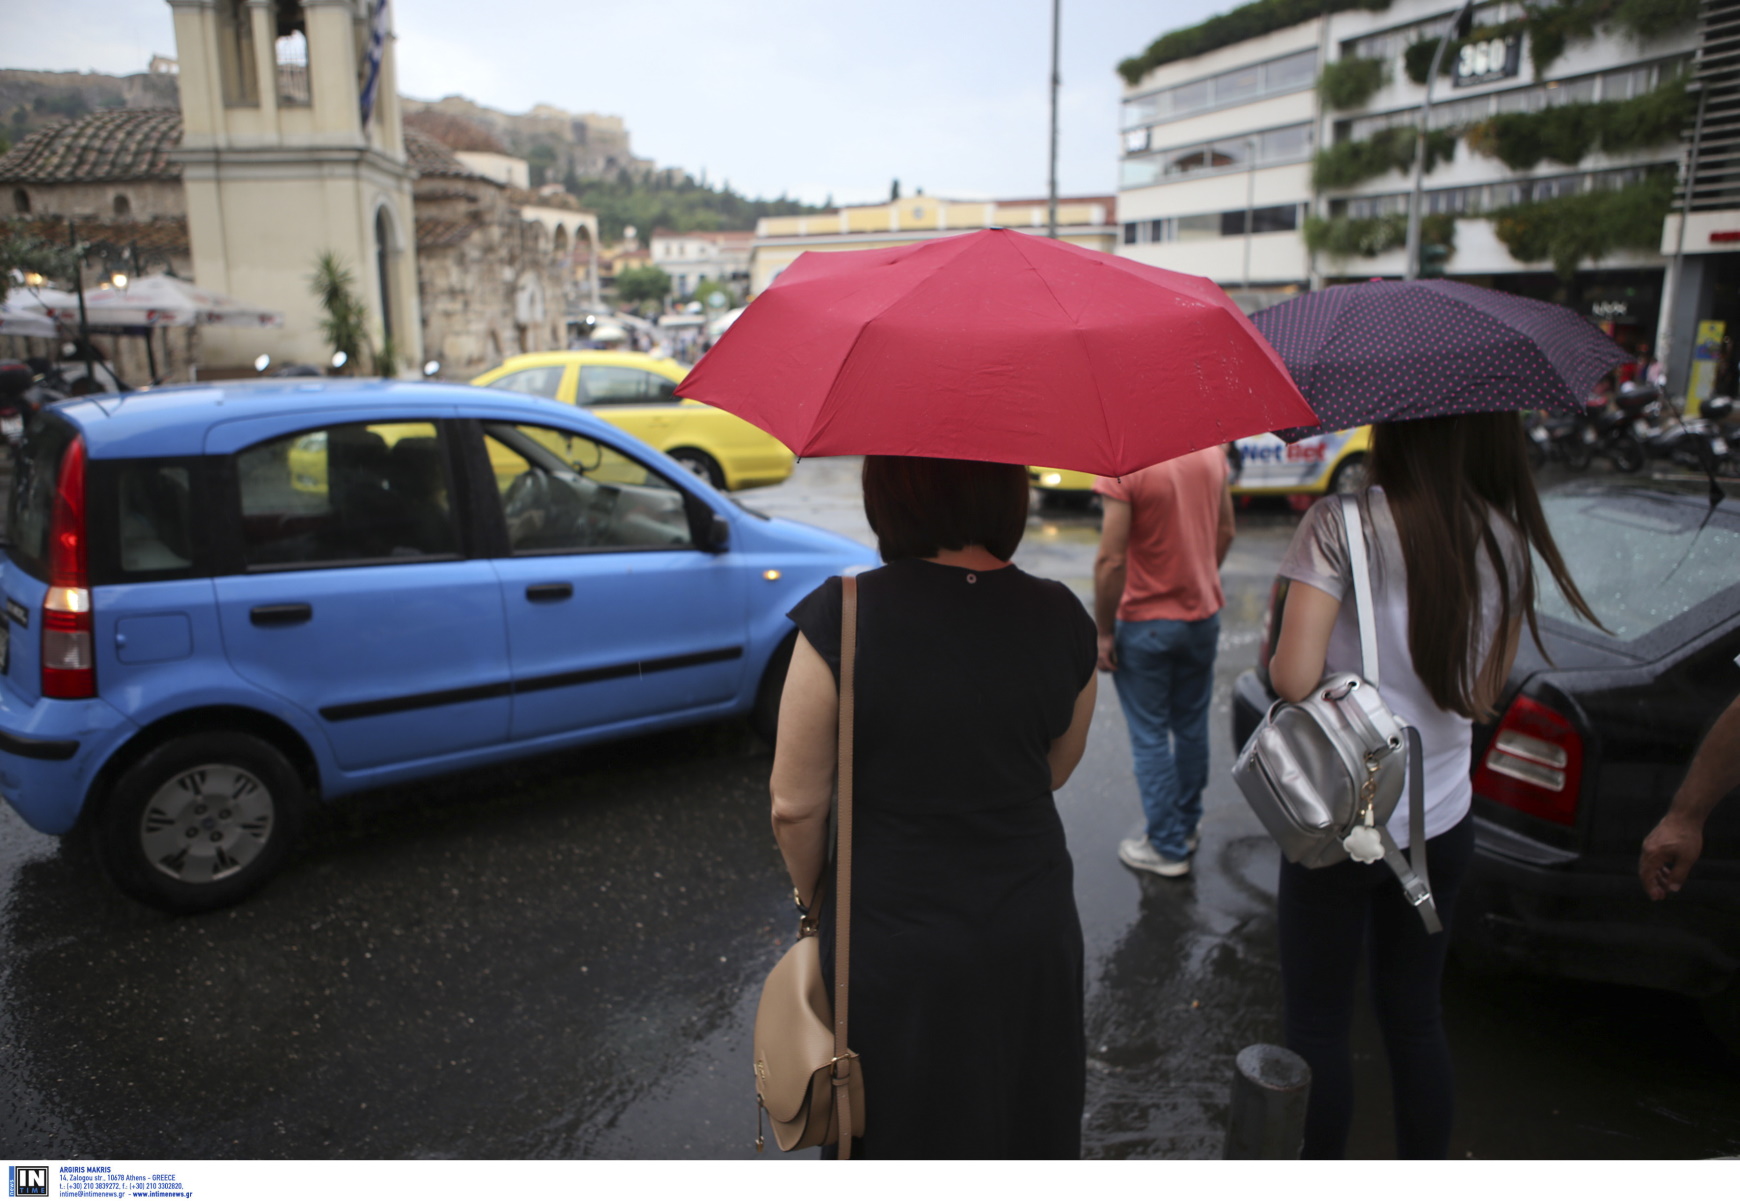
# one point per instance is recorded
(1318, 556)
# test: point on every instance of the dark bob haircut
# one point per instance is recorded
(921, 507)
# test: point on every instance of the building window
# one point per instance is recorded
(20, 200)
(123, 207)
(236, 64)
(383, 269)
(1289, 144)
(290, 51)
(1238, 86)
(1202, 227)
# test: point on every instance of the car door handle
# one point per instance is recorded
(549, 592)
(280, 615)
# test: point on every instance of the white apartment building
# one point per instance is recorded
(1236, 129)
(689, 258)
(1207, 140)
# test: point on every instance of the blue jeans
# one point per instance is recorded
(1165, 678)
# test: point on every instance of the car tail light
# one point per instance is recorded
(1534, 763)
(68, 648)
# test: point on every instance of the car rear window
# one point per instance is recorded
(33, 491)
(1641, 561)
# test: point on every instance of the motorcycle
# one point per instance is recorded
(1692, 444)
(1560, 439)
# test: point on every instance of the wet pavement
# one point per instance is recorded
(560, 959)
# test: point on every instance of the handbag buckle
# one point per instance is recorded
(834, 1070)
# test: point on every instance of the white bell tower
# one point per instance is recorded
(292, 146)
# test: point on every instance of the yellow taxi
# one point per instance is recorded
(637, 394)
(1267, 467)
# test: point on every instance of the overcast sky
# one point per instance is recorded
(807, 97)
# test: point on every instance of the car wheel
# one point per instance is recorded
(200, 821)
(1350, 476)
(701, 465)
(1626, 453)
(764, 718)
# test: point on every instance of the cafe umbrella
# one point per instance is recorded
(997, 346)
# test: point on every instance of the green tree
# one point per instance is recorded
(345, 323)
(30, 255)
(709, 288)
(638, 285)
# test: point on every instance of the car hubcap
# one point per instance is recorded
(696, 468)
(206, 824)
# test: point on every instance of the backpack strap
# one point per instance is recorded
(1416, 885)
(1360, 569)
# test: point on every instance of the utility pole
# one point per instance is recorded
(1412, 269)
(1664, 334)
(1250, 208)
(1056, 24)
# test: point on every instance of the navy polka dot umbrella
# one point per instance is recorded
(1393, 351)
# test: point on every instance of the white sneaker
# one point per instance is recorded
(1140, 854)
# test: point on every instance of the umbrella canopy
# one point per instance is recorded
(25, 322)
(997, 346)
(164, 300)
(1393, 351)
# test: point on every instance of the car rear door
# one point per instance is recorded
(613, 612)
(349, 590)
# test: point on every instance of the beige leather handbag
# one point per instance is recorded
(808, 1082)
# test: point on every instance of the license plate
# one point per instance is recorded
(11, 427)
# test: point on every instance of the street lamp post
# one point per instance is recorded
(1056, 23)
(1664, 334)
(1412, 268)
(1250, 207)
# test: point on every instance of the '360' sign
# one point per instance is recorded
(1484, 61)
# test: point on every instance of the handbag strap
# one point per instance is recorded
(843, 1059)
(1354, 528)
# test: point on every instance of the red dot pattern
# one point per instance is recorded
(1394, 351)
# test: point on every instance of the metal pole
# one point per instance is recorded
(1271, 1087)
(1664, 339)
(1056, 25)
(1250, 208)
(1412, 269)
(79, 287)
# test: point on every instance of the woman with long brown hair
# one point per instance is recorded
(1449, 523)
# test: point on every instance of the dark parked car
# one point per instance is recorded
(1591, 742)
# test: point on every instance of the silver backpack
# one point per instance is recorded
(1324, 775)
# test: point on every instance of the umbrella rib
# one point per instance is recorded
(1099, 394)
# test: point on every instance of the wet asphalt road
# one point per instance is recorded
(561, 959)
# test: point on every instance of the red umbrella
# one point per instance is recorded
(998, 346)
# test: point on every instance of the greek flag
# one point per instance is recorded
(372, 60)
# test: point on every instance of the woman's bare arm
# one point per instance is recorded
(1303, 647)
(804, 764)
(1067, 751)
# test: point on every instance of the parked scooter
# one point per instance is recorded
(1561, 438)
(23, 393)
(1690, 443)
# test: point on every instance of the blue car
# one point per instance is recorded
(226, 603)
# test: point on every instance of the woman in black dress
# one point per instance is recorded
(975, 688)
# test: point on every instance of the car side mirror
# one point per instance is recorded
(718, 535)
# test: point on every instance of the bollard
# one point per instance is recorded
(1270, 1088)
